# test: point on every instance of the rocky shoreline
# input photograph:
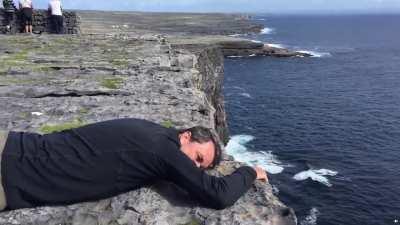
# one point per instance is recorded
(239, 47)
(122, 65)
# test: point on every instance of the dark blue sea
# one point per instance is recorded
(326, 128)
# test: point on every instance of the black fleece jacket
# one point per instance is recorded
(104, 159)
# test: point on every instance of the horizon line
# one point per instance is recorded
(292, 12)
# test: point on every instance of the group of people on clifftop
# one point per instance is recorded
(26, 12)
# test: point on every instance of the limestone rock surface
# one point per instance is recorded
(55, 82)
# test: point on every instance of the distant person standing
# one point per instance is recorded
(55, 10)
(9, 9)
(26, 8)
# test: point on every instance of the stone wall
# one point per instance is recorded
(41, 22)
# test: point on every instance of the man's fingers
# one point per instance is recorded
(261, 174)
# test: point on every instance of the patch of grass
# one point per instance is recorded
(19, 56)
(112, 83)
(16, 59)
(51, 128)
(167, 124)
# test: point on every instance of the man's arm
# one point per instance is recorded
(213, 192)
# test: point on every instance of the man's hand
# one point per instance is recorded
(261, 174)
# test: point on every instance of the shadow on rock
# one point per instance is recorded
(175, 195)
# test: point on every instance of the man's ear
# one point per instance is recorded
(185, 137)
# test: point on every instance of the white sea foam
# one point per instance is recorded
(316, 175)
(316, 54)
(235, 35)
(239, 56)
(237, 148)
(247, 95)
(312, 218)
(267, 30)
(238, 88)
(256, 41)
(275, 45)
(237, 143)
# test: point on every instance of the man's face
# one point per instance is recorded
(202, 154)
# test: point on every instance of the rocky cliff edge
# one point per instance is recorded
(50, 83)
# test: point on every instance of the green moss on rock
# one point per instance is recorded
(15, 59)
(112, 83)
(19, 56)
(51, 128)
(167, 124)
(83, 111)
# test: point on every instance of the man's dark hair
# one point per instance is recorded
(202, 135)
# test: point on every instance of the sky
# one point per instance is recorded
(259, 6)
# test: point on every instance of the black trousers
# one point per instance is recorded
(27, 16)
(57, 21)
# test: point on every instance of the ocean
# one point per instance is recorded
(326, 128)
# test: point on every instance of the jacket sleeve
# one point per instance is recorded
(211, 191)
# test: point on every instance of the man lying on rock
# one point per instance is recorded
(105, 159)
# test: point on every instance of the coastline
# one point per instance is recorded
(169, 73)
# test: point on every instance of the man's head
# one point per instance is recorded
(200, 145)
